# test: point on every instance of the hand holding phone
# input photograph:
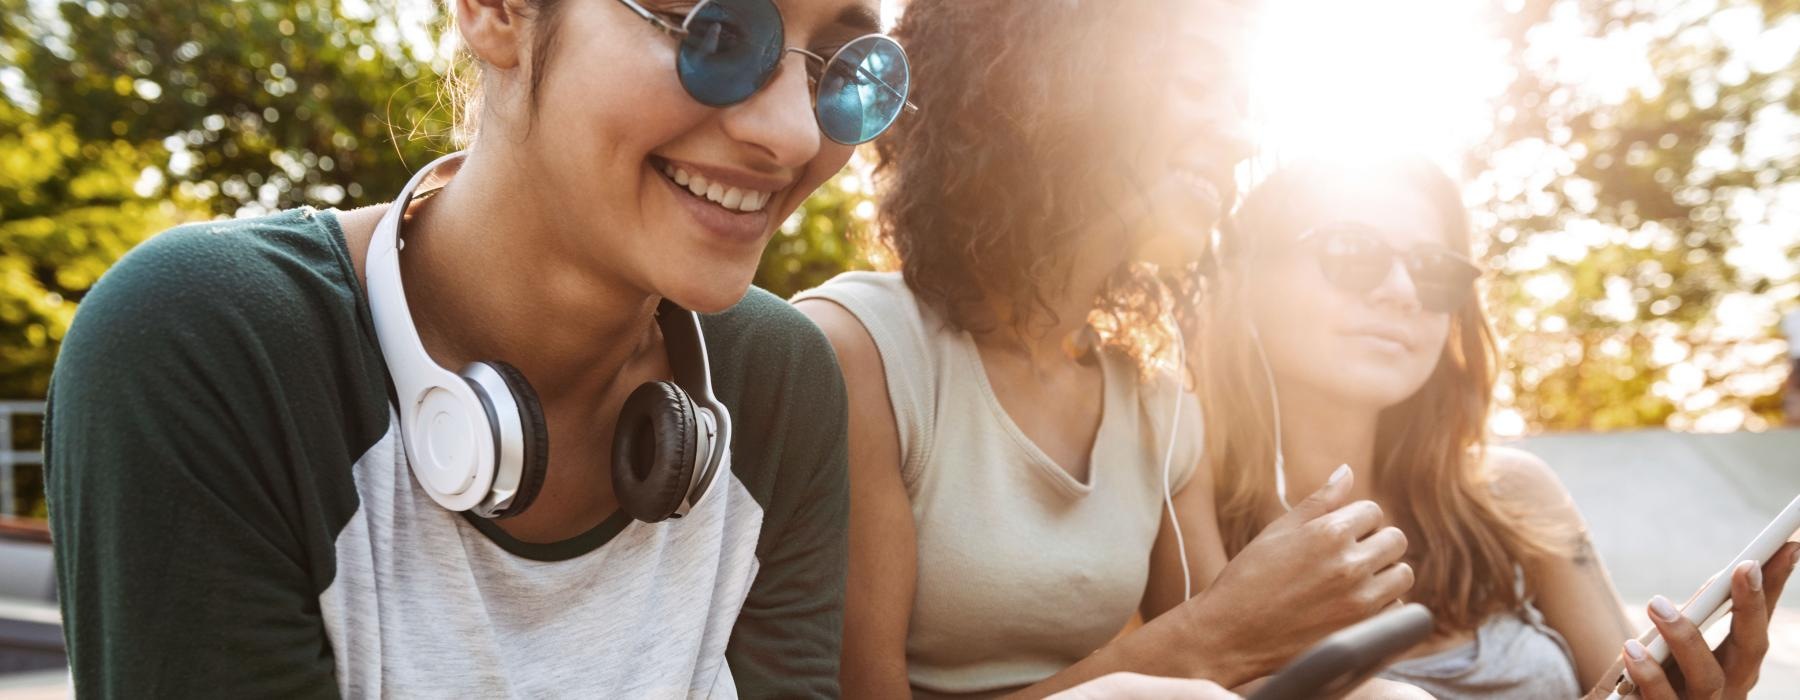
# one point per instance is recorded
(1650, 651)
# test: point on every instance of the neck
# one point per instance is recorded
(1318, 434)
(489, 277)
(1040, 338)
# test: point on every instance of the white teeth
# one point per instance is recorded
(733, 198)
(1200, 187)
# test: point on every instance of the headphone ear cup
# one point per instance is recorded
(653, 451)
(536, 433)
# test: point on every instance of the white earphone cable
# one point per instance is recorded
(1187, 576)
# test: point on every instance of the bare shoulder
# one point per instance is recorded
(1524, 482)
(857, 355)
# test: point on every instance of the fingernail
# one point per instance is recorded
(1343, 470)
(1754, 574)
(1664, 609)
(1635, 650)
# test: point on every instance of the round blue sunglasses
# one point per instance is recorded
(730, 48)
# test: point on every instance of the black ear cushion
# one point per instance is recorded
(537, 438)
(653, 451)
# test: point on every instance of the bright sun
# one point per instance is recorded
(1335, 78)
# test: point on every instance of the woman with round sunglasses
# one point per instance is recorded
(1022, 456)
(1345, 330)
(268, 478)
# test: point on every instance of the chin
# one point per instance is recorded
(709, 293)
(1377, 387)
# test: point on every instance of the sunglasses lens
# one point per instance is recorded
(863, 89)
(1354, 262)
(730, 50)
(1444, 282)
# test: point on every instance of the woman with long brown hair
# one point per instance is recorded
(1022, 459)
(1343, 328)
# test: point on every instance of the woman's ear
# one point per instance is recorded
(494, 31)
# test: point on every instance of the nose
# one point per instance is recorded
(1397, 290)
(778, 119)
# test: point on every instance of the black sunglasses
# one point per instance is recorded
(730, 48)
(1355, 259)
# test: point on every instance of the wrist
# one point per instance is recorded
(1216, 653)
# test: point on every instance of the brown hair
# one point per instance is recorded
(463, 81)
(988, 186)
(1428, 470)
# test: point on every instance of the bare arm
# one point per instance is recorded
(1573, 589)
(883, 552)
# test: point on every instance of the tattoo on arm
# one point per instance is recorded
(1584, 550)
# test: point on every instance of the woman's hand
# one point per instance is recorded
(1317, 569)
(1695, 671)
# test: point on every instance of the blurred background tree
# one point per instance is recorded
(1641, 189)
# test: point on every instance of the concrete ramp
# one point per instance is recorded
(1668, 510)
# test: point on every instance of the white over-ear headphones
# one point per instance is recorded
(477, 441)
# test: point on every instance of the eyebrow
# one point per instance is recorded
(860, 18)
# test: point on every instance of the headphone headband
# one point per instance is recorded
(431, 400)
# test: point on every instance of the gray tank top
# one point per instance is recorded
(1514, 655)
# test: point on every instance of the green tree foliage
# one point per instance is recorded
(1638, 209)
(831, 233)
(118, 120)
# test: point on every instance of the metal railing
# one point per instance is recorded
(10, 457)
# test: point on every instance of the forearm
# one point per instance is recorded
(874, 676)
(1178, 644)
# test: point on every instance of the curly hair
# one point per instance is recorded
(986, 190)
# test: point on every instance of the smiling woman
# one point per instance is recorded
(478, 441)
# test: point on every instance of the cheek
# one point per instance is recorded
(831, 159)
(1293, 296)
(608, 96)
(1294, 318)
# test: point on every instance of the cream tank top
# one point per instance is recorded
(1022, 569)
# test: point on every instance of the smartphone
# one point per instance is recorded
(1710, 604)
(1349, 656)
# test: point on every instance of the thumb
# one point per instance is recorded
(1332, 496)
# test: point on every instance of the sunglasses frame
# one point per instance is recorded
(1405, 258)
(681, 32)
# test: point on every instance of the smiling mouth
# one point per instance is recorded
(1200, 189)
(732, 199)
